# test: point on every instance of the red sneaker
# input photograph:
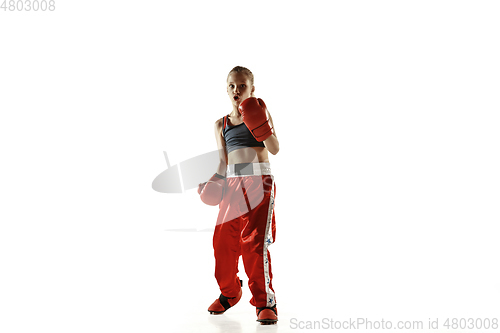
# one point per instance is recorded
(220, 305)
(267, 316)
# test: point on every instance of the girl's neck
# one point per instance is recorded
(235, 112)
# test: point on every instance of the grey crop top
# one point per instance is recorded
(238, 136)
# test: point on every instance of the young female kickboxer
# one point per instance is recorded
(244, 189)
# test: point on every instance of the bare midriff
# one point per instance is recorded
(248, 155)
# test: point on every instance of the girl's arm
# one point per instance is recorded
(271, 143)
(221, 146)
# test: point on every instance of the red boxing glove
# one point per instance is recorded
(254, 115)
(211, 192)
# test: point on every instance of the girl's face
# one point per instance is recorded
(239, 88)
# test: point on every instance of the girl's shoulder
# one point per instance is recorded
(219, 124)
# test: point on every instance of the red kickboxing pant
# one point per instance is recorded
(246, 227)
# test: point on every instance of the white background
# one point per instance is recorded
(387, 177)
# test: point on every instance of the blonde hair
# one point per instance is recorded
(244, 70)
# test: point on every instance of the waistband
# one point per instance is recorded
(248, 169)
